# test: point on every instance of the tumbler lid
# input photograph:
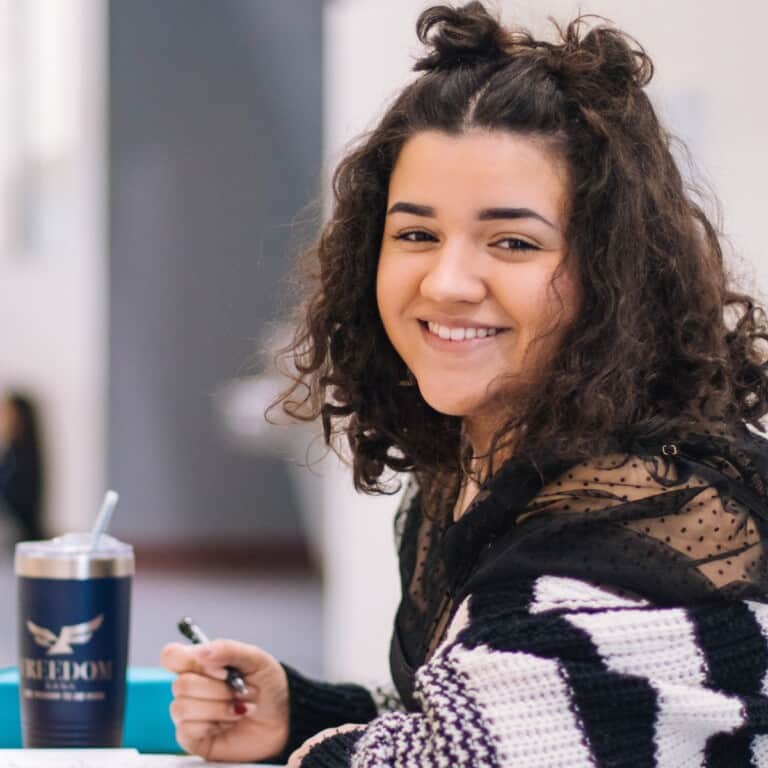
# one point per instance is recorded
(70, 557)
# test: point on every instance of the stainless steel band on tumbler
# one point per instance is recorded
(38, 565)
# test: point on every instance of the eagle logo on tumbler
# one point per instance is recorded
(72, 634)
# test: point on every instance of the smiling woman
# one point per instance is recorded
(517, 300)
(466, 284)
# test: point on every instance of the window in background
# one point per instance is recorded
(39, 104)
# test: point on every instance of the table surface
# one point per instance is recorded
(115, 758)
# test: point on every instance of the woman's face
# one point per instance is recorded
(472, 238)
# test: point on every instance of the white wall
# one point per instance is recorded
(709, 84)
(52, 318)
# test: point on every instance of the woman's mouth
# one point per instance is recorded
(467, 333)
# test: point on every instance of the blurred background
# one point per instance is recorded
(161, 163)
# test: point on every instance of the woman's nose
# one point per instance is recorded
(453, 275)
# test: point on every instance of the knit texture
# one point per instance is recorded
(558, 672)
(315, 706)
(333, 752)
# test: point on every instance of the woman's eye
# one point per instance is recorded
(515, 244)
(416, 236)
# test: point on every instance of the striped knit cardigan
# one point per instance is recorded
(549, 670)
(558, 673)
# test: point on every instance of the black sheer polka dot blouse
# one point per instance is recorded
(672, 521)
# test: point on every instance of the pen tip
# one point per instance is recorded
(185, 625)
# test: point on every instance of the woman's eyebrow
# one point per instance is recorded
(416, 210)
(486, 214)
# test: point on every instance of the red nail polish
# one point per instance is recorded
(240, 708)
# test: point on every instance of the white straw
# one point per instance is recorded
(104, 518)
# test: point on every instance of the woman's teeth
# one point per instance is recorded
(459, 334)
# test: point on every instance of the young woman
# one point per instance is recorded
(519, 302)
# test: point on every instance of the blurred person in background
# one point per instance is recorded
(518, 300)
(21, 471)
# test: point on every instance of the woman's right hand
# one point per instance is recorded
(215, 722)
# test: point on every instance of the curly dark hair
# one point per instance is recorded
(661, 344)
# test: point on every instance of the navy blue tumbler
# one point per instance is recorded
(74, 615)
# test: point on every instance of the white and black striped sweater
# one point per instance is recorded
(552, 669)
(559, 673)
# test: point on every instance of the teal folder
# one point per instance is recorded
(147, 727)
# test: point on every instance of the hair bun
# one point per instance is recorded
(619, 58)
(458, 35)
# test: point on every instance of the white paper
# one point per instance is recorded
(114, 758)
(68, 758)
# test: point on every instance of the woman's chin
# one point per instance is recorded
(450, 406)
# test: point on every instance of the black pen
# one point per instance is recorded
(192, 632)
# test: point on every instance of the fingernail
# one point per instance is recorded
(240, 708)
(205, 652)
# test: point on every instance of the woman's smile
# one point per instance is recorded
(460, 339)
